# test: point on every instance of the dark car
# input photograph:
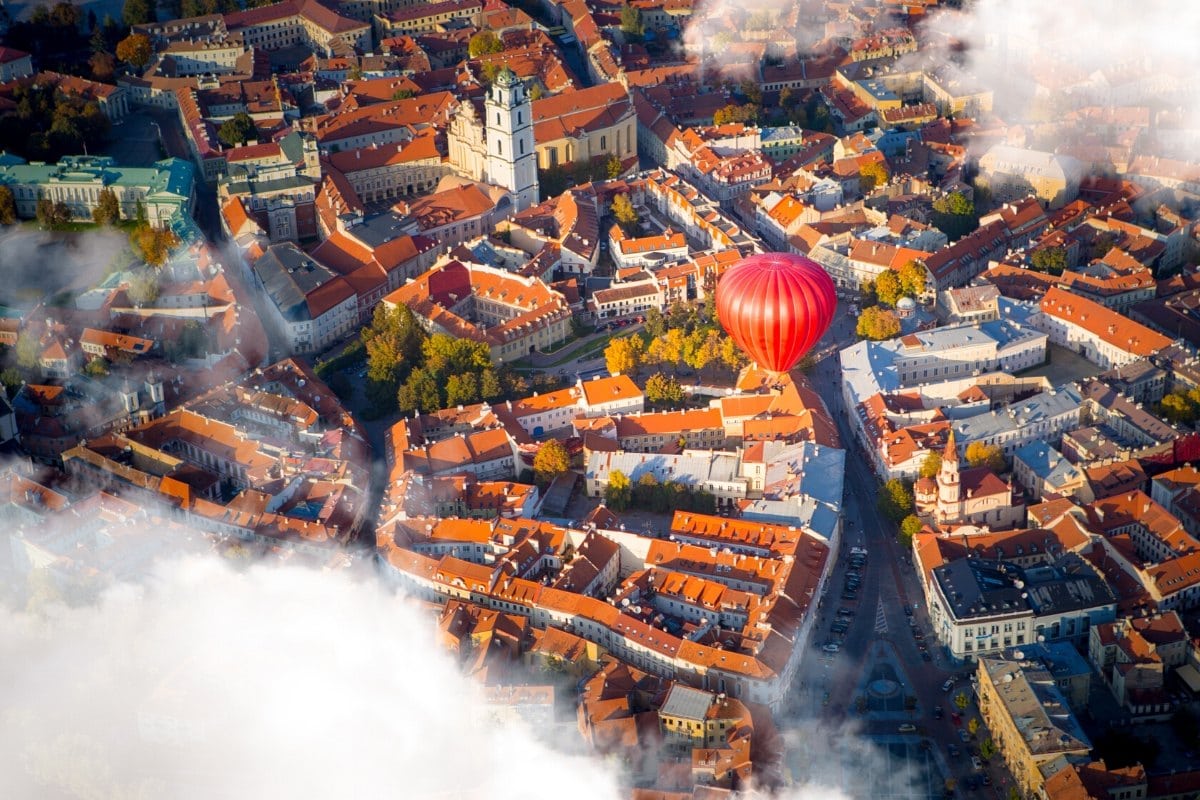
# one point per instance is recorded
(952, 750)
(938, 713)
(925, 656)
(908, 612)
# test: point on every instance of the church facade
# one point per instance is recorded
(976, 496)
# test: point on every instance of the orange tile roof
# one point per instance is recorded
(1110, 326)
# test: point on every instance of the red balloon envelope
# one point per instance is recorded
(776, 306)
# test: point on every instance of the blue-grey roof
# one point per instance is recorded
(288, 274)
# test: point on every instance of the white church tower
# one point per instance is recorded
(512, 160)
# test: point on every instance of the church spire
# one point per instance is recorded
(951, 451)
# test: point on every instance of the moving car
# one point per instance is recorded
(938, 713)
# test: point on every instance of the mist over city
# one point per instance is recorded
(606, 399)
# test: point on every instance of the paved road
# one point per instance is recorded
(880, 624)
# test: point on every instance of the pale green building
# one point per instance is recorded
(167, 189)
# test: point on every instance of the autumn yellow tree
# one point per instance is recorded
(550, 461)
(877, 324)
(979, 454)
(872, 175)
(887, 287)
(623, 355)
(134, 49)
(624, 212)
(912, 279)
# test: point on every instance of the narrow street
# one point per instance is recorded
(881, 637)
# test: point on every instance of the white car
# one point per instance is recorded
(948, 685)
(976, 763)
(908, 727)
(831, 648)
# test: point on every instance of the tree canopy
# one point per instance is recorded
(623, 355)
(877, 324)
(931, 465)
(910, 526)
(1052, 260)
(8, 206)
(954, 215)
(663, 390)
(979, 454)
(134, 50)
(631, 20)
(895, 500)
(108, 208)
(484, 43)
(624, 212)
(237, 130)
(619, 491)
(550, 461)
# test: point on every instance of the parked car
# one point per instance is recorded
(987, 779)
(938, 713)
(952, 750)
(831, 648)
(908, 612)
(908, 727)
(845, 612)
(948, 685)
(976, 763)
(963, 736)
(925, 656)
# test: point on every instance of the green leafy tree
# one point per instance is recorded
(877, 324)
(550, 461)
(108, 208)
(631, 21)
(403, 94)
(137, 12)
(962, 701)
(624, 212)
(931, 465)
(134, 50)
(489, 385)
(910, 526)
(655, 325)
(619, 491)
(462, 389)
(95, 368)
(987, 749)
(536, 92)
(888, 288)
(1052, 260)
(29, 351)
(954, 215)
(663, 390)
(11, 380)
(895, 500)
(973, 726)
(484, 43)
(8, 206)
(623, 355)
(52, 215)
(237, 130)
(979, 455)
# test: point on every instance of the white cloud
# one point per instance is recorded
(304, 684)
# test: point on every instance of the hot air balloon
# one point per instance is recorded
(776, 306)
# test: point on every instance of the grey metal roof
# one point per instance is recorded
(686, 702)
(289, 274)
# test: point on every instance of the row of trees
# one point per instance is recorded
(556, 180)
(698, 350)
(411, 371)
(47, 124)
(649, 494)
